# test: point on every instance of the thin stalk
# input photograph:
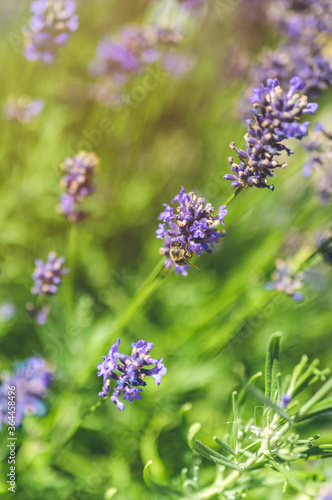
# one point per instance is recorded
(234, 195)
(150, 285)
(62, 444)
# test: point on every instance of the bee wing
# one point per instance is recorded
(165, 268)
(190, 263)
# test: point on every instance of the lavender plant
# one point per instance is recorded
(306, 27)
(254, 446)
(270, 440)
(28, 386)
(132, 372)
(133, 51)
(50, 26)
(22, 109)
(47, 275)
(284, 280)
(276, 117)
(78, 183)
(193, 229)
(193, 5)
(319, 148)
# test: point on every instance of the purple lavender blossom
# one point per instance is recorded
(129, 372)
(7, 311)
(193, 5)
(78, 183)
(47, 276)
(276, 117)
(193, 225)
(325, 493)
(30, 382)
(177, 65)
(132, 51)
(22, 109)
(303, 19)
(285, 281)
(50, 26)
(39, 315)
(307, 26)
(129, 52)
(305, 60)
(285, 400)
(319, 147)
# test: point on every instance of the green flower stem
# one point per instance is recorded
(234, 195)
(69, 437)
(149, 287)
(69, 282)
(151, 284)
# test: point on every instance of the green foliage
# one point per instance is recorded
(253, 449)
(211, 328)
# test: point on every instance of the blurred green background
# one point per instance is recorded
(178, 135)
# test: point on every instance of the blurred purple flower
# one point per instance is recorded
(285, 400)
(285, 281)
(42, 315)
(129, 372)
(50, 26)
(7, 311)
(193, 5)
(31, 379)
(193, 225)
(306, 61)
(47, 276)
(22, 109)
(319, 146)
(130, 52)
(276, 117)
(325, 493)
(78, 183)
(302, 20)
(177, 65)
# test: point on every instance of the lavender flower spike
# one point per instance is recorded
(276, 117)
(285, 281)
(47, 276)
(129, 372)
(22, 109)
(50, 26)
(78, 183)
(319, 146)
(193, 225)
(29, 385)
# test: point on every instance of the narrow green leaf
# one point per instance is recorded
(193, 430)
(267, 402)
(319, 451)
(323, 406)
(272, 366)
(327, 387)
(297, 372)
(258, 414)
(213, 455)
(288, 475)
(224, 446)
(305, 379)
(243, 393)
(235, 405)
(207, 452)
